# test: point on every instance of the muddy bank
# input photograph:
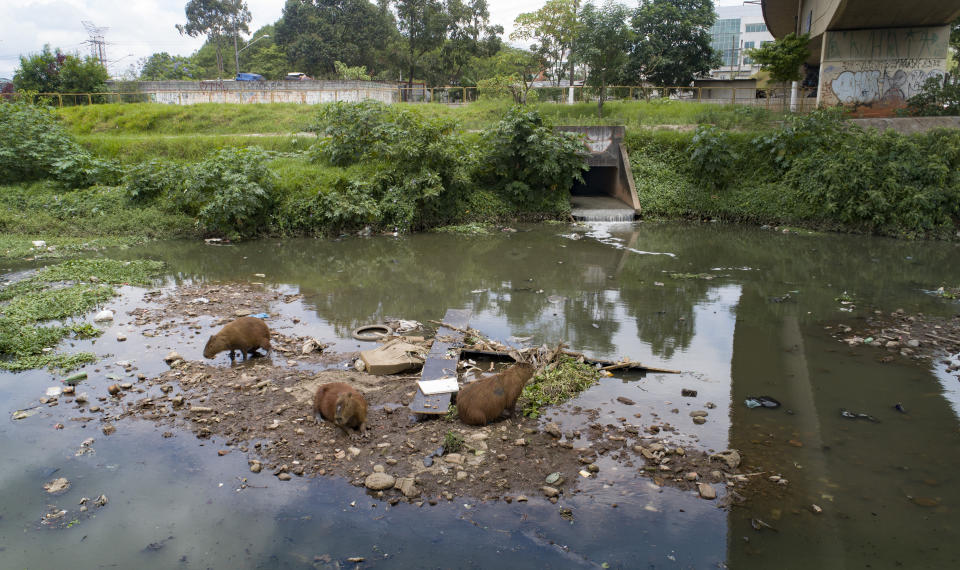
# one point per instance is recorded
(262, 408)
(898, 334)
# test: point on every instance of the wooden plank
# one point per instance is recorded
(442, 361)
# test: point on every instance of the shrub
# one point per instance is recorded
(148, 181)
(230, 192)
(528, 162)
(940, 96)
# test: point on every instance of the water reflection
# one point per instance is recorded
(886, 489)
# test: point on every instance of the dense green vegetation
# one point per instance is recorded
(814, 171)
(37, 313)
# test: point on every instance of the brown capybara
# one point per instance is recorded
(342, 404)
(245, 334)
(484, 400)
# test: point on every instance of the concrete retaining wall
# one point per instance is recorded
(306, 92)
(909, 125)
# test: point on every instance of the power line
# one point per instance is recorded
(98, 45)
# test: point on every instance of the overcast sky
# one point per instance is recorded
(138, 28)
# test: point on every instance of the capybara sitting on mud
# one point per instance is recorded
(342, 404)
(245, 334)
(484, 400)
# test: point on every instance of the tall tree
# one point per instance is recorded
(423, 25)
(672, 42)
(469, 35)
(602, 41)
(316, 33)
(552, 29)
(215, 19)
(52, 71)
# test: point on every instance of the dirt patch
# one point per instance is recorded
(262, 407)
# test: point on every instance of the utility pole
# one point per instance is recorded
(98, 45)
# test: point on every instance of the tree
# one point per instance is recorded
(56, 72)
(423, 25)
(470, 35)
(783, 58)
(510, 72)
(602, 42)
(955, 43)
(672, 42)
(552, 28)
(316, 33)
(165, 67)
(215, 19)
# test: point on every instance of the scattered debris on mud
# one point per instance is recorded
(262, 408)
(898, 334)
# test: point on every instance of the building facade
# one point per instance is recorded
(737, 29)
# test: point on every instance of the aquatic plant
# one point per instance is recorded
(565, 379)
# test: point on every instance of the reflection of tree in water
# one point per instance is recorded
(354, 281)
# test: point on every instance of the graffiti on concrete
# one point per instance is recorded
(873, 86)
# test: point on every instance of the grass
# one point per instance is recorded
(18, 246)
(96, 124)
(565, 380)
(58, 293)
(452, 442)
(472, 229)
(133, 148)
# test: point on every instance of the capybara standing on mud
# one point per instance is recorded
(245, 334)
(343, 405)
(484, 400)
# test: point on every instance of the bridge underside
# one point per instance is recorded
(872, 55)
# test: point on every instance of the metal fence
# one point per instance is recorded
(771, 98)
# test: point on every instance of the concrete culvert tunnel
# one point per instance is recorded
(607, 192)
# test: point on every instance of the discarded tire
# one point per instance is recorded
(371, 332)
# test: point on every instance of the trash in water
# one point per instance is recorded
(857, 416)
(23, 414)
(54, 391)
(899, 407)
(761, 402)
(407, 326)
(104, 315)
(260, 315)
(758, 525)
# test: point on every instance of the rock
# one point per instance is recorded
(454, 458)
(520, 442)
(550, 491)
(105, 315)
(242, 313)
(94, 409)
(56, 486)
(710, 405)
(699, 414)
(284, 476)
(688, 393)
(354, 451)
(707, 491)
(379, 481)
(407, 486)
(255, 466)
(553, 429)
(378, 468)
(699, 420)
(177, 401)
(692, 476)
(201, 409)
(121, 337)
(172, 356)
(113, 389)
(554, 478)
(82, 398)
(680, 451)
(731, 457)
(125, 385)
(522, 499)
(462, 475)
(108, 429)
(593, 468)
(625, 401)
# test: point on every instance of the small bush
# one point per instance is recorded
(940, 96)
(712, 156)
(529, 163)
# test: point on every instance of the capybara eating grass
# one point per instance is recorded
(245, 334)
(342, 404)
(483, 400)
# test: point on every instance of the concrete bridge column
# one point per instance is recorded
(877, 70)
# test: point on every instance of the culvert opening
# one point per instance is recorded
(595, 199)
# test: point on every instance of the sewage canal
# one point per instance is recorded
(740, 311)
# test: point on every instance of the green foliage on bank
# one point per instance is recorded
(560, 382)
(814, 170)
(37, 313)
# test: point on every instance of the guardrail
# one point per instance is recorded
(771, 98)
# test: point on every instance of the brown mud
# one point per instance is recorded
(262, 408)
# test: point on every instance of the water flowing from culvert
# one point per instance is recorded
(741, 311)
(599, 215)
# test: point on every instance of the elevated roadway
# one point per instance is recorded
(873, 54)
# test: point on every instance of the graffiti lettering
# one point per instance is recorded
(889, 86)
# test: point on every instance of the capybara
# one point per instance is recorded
(245, 334)
(342, 404)
(484, 400)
